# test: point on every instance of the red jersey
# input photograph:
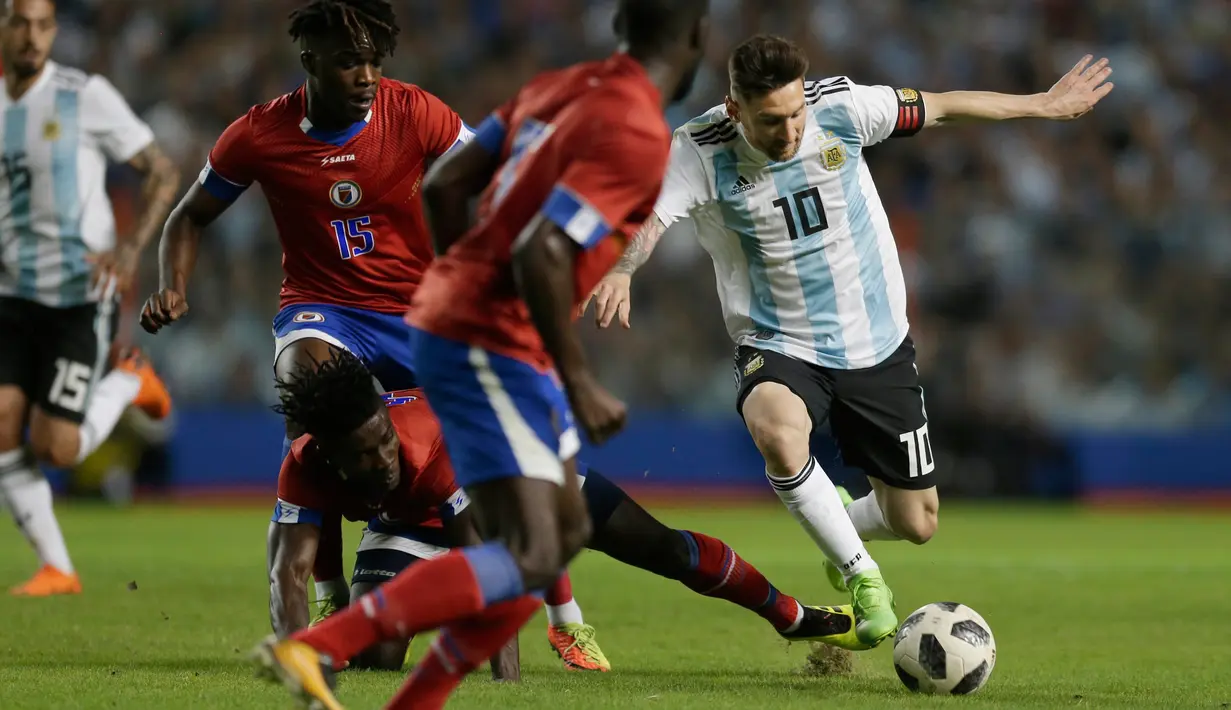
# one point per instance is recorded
(587, 147)
(309, 491)
(346, 203)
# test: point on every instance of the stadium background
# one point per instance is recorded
(1070, 283)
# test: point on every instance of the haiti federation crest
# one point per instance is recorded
(345, 193)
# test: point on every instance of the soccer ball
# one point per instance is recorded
(944, 647)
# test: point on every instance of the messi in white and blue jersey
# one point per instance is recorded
(776, 184)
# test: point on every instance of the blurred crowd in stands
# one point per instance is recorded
(1062, 275)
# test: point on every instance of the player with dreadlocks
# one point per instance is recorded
(348, 216)
(381, 458)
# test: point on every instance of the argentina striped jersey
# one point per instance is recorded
(804, 258)
(55, 141)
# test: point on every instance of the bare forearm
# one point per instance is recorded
(544, 271)
(288, 606)
(639, 249)
(448, 216)
(953, 106)
(161, 186)
(177, 251)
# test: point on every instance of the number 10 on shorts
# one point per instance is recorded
(919, 450)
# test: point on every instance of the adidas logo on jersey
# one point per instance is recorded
(337, 159)
(742, 185)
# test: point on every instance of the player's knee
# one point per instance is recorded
(916, 523)
(56, 447)
(539, 561)
(782, 443)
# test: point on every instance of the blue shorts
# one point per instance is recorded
(379, 339)
(500, 417)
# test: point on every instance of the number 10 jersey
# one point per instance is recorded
(804, 258)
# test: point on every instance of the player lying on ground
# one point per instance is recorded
(62, 270)
(381, 459)
(776, 184)
(339, 161)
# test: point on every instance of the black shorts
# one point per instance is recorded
(877, 414)
(386, 551)
(55, 355)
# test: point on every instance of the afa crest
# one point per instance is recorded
(833, 152)
(345, 193)
(51, 130)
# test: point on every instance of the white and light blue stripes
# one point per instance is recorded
(74, 269)
(21, 221)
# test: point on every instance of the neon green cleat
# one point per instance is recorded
(875, 619)
(326, 608)
(830, 625)
(575, 645)
(831, 570)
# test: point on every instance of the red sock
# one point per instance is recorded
(716, 571)
(560, 593)
(459, 649)
(427, 595)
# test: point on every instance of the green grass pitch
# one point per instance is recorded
(1089, 610)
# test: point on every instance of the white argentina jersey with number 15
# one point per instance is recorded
(54, 211)
(804, 258)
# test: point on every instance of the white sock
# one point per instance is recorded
(869, 519)
(567, 613)
(111, 397)
(813, 500)
(332, 589)
(28, 495)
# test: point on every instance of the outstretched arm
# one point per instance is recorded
(613, 295)
(1074, 95)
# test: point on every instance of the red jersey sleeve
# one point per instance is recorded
(438, 125)
(230, 168)
(299, 501)
(616, 176)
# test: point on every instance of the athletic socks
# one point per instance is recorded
(458, 649)
(426, 596)
(562, 608)
(715, 570)
(869, 520)
(816, 505)
(28, 495)
(115, 391)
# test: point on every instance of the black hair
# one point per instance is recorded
(652, 25)
(765, 63)
(360, 19)
(330, 399)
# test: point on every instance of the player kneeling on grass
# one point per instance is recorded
(382, 458)
(380, 462)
